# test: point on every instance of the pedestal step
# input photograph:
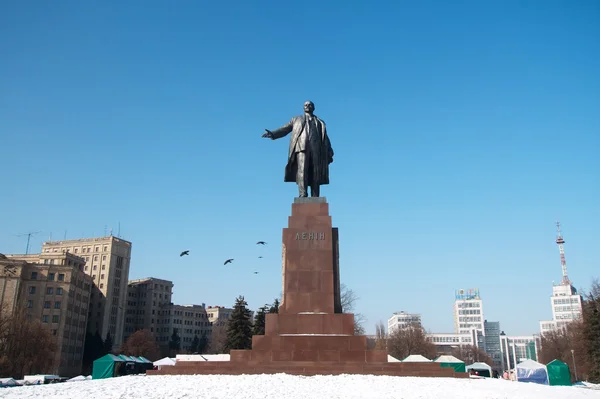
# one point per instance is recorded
(309, 323)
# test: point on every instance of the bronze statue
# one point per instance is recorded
(310, 151)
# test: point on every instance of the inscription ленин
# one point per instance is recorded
(310, 236)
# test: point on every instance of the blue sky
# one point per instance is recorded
(462, 132)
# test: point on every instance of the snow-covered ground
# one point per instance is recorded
(282, 386)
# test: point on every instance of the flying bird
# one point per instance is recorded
(185, 253)
(228, 261)
(255, 272)
(261, 243)
(260, 257)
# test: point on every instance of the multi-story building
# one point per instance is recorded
(53, 288)
(218, 315)
(566, 306)
(190, 321)
(468, 311)
(146, 298)
(402, 319)
(493, 346)
(449, 343)
(107, 261)
(149, 307)
(515, 349)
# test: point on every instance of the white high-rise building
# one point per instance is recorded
(468, 311)
(565, 301)
(403, 320)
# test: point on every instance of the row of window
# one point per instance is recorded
(469, 311)
(565, 301)
(51, 276)
(46, 318)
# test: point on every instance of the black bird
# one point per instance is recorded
(185, 253)
(228, 261)
(255, 272)
(261, 243)
(260, 257)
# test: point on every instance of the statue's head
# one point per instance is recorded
(309, 107)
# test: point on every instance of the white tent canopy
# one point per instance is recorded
(479, 366)
(532, 371)
(448, 359)
(165, 361)
(416, 358)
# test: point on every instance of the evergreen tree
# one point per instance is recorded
(93, 349)
(194, 345)
(239, 327)
(202, 343)
(275, 307)
(175, 342)
(259, 321)
(591, 317)
(108, 343)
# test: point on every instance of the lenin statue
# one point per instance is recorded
(310, 151)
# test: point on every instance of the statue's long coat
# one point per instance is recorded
(320, 161)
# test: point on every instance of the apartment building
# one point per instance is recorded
(149, 307)
(107, 261)
(146, 298)
(54, 289)
(218, 315)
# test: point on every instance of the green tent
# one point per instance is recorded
(451, 362)
(106, 367)
(558, 373)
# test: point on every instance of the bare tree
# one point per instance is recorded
(380, 336)
(471, 354)
(217, 339)
(25, 345)
(348, 299)
(141, 343)
(410, 340)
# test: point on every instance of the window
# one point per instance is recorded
(103, 267)
(61, 277)
(59, 291)
(55, 318)
(95, 257)
(32, 290)
(51, 276)
(30, 304)
(49, 291)
(45, 318)
(54, 331)
(97, 249)
(45, 261)
(101, 285)
(86, 268)
(105, 248)
(103, 257)
(34, 275)
(76, 250)
(57, 305)
(102, 276)
(95, 267)
(47, 305)
(51, 261)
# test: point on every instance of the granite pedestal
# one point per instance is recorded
(310, 335)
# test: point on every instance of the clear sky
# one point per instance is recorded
(462, 131)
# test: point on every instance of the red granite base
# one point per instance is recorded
(310, 335)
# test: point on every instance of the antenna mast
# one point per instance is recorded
(561, 249)
(28, 239)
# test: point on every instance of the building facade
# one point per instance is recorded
(402, 319)
(566, 306)
(107, 261)
(468, 311)
(146, 298)
(53, 288)
(449, 343)
(515, 349)
(149, 306)
(493, 345)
